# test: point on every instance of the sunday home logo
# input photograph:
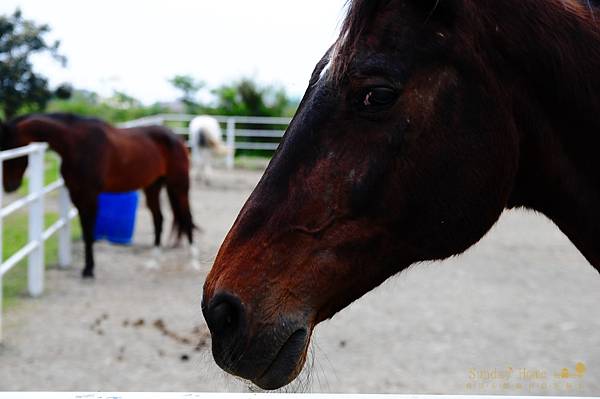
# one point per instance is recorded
(523, 379)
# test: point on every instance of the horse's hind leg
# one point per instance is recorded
(153, 202)
(178, 192)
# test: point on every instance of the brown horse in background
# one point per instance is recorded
(424, 121)
(97, 157)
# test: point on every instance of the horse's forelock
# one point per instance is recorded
(360, 14)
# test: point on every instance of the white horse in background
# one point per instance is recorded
(206, 141)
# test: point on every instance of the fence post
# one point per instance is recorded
(64, 235)
(230, 143)
(36, 221)
(1, 298)
(1, 244)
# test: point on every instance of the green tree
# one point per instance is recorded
(21, 88)
(123, 100)
(189, 88)
(248, 98)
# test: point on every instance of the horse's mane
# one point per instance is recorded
(73, 118)
(62, 117)
(360, 13)
(551, 47)
(56, 123)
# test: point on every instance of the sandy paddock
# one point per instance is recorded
(507, 317)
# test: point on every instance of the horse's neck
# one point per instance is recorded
(53, 133)
(556, 92)
(550, 52)
(552, 181)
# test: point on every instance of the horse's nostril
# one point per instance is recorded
(224, 315)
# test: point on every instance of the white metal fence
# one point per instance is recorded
(237, 138)
(37, 235)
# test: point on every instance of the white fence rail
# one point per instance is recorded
(235, 137)
(34, 249)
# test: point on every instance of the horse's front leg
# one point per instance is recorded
(87, 226)
(87, 205)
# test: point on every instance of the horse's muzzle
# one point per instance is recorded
(287, 362)
(11, 187)
(271, 356)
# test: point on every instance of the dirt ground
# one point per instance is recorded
(507, 317)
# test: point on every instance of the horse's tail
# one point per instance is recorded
(220, 149)
(206, 129)
(177, 183)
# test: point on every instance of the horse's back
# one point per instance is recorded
(163, 139)
(118, 159)
(133, 160)
(160, 135)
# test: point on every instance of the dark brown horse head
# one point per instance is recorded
(401, 151)
(13, 169)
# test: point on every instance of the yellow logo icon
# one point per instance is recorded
(580, 370)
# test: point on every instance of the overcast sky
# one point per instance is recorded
(135, 46)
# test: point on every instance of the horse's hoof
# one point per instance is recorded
(87, 274)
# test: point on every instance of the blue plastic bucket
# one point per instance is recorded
(115, 221)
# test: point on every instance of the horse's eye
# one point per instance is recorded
(378, 97)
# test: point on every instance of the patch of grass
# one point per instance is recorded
(14, 238)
